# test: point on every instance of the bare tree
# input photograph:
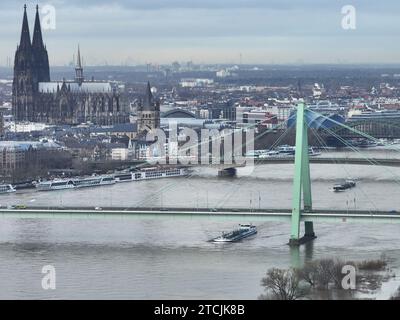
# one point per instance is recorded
(336, 273)
(282, 285)
(324, 272)
(309, 273)
(321, 273)
(396, 295)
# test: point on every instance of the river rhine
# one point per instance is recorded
(122, 258)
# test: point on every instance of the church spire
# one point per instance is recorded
(37, 41)
(79, 69)
(25, 42)
(148, 98)
(41, 58)
(79, 61)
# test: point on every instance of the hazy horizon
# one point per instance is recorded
(265, 32)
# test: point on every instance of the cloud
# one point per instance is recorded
(287, 5)
(210, 29)
(182, 4)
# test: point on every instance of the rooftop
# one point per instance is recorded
(25, 145)
(90, 87)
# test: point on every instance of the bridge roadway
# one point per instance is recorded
(239, 215)
(322, 160)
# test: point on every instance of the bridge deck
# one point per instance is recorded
(223, 214)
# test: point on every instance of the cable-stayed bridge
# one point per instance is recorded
(302, 210)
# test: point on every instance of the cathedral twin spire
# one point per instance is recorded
(37, 42)
(33, 55)
(25, 42)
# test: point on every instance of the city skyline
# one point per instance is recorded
(269, 32)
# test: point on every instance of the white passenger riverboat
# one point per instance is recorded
(94, 181)
(126, 176)
(55, 185)
(6, 188)
(75, 183)
(151, 173)
(284, 151)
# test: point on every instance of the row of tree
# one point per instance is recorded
(326, 278)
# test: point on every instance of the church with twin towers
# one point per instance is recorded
(36, 98)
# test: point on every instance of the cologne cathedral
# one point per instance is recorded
(35, 98)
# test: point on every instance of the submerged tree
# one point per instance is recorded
(396, 295)
(324, 278)
(282, 285)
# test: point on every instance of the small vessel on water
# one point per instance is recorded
(286, 150)
(283, 151)
(268, 154)
(363, 143)
(313, 152)
(6, 188)
(348, 184)
(244, 231)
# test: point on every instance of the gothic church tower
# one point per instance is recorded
(148, 113)
(39, 52)
(31, 66)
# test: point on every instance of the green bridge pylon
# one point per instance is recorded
(301, 182)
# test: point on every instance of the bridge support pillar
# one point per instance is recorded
(309, 229)
(309, 235)
(301, 182)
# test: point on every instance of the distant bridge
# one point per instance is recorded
(275, 160)
(377, 128)
(320, 160)
(332, 160)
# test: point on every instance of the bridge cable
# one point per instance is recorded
(172, 184)
(319, 138)
(370, 161)
(257, 162)
(363, 134)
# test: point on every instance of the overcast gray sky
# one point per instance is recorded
(211, 31)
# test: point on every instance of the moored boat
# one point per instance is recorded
(51, 185)
(151, 173)
(94, 181)
(24, 185)
(6, 188)
(284, 151)
(61, 184)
